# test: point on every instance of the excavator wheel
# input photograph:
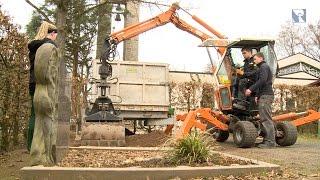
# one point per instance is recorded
(287, 133)
(217, 134)
(244, 134)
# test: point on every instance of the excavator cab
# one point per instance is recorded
(231, 60)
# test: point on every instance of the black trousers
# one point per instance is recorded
(243, 85)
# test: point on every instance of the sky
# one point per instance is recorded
(233, 18)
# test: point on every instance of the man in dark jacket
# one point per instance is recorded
(245, 77)
(47, 34)
(264, 96)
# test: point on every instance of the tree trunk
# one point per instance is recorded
(131, 46)
(76, 105)
(5, 121)
(64, 105)
(104, 29)
(16, 113)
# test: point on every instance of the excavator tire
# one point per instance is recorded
(217, 134)
(288, 133)
(244, 134)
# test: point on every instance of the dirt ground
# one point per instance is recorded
(153, 139)
(300, 161)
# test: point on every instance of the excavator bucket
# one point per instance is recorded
(103, 134)
(102, 129)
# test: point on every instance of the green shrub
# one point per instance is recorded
(193, 148)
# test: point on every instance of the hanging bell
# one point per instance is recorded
(118, 18)
(118, 8)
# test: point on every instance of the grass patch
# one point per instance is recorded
(308, 137)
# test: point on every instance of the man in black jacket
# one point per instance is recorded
(264, 96)
(245, 77)
(47, 33)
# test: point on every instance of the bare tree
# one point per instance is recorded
(288, 39)
(311, 40)
(294, 38)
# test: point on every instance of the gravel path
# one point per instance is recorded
(301, 159)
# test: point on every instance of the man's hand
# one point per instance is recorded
(256, 99)
(239, 72)
(248, 92)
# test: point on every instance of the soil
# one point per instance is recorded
(300, 161)
(11, 162)
(108, 158)
(152, 139)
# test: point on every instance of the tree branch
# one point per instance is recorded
(122, 2)
(39, 11)
(4, 61)
(55, 1)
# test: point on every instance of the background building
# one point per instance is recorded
(298, 69)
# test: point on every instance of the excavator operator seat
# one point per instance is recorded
(233, 59)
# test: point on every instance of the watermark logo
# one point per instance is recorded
(299, 15)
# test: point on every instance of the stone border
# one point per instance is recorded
(130, 173)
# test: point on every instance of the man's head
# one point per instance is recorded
(52, 34)
(246, 52)
(258, 57)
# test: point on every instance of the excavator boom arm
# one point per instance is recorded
(299, 119)
(144, 26)
(160, 20)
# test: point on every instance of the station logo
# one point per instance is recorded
(299, 15)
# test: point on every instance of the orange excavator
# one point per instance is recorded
(226, 119)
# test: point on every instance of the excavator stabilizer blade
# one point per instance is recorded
(312, 116)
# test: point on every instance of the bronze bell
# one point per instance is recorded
(118, 18)
(118, 8)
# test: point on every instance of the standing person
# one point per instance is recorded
(47, 33)
(245, 77)
(264, 97)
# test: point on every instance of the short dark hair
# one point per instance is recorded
(259, 54)
(52, 30)
(247, 48)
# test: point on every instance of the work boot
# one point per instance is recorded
(262, 142)
(267, 144)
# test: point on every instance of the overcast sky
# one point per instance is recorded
(233, 18)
